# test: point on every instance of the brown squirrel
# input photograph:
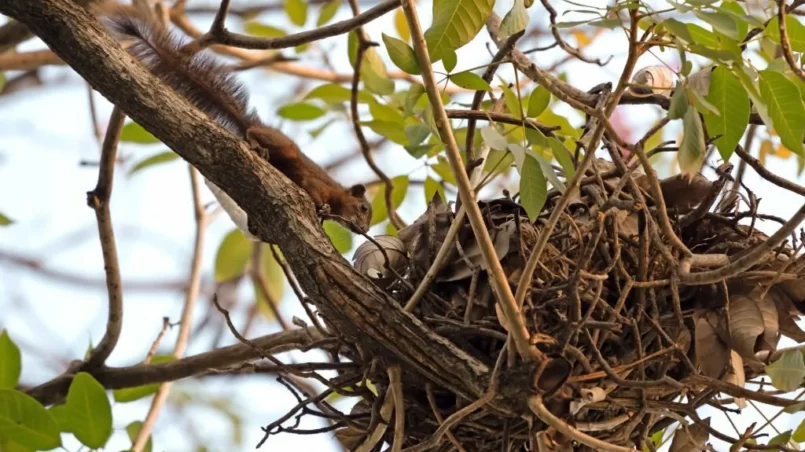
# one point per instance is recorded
(207, 84)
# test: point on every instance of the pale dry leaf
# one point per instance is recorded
(746, 325)
(658, 79)
(737, 376)
(771, 322)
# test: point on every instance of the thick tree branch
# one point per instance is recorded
(279, 212)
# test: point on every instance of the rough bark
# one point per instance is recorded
(279, 212)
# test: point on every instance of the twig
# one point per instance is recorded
(452, 420)
(395, 385)
(187, 313)
(221, 35)
(474, 115)
(768, 175)
(153, 350)
(536, 405)
(498, 277)
(785, 43)
(98, 199)
(565, 46)
(363, 46)
(380, 430)
(439, 418)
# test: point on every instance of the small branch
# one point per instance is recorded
(363, 46)
(259, 279)
(497, 276)
(744, 262)
(98, 199)
(187, 313)
(396, 388)
(536, 405)
(768, 175)
(221, 35)
(452, 420)
(474, 115)
(565, 46)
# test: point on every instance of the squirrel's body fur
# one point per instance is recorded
(207, 84)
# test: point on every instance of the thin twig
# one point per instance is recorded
(98, 199)
(223, 36)
(395, 385)
(497, 276)
(187, 312)
(785, 43)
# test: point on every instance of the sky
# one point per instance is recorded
(47, 131)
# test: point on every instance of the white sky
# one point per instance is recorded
(47, 132)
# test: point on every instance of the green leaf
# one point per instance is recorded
(679, 102)
(379, 212)
(5, 221)
(455, 23)
(339, 235)
(787, 372)
(25, 421)
(722, 22)
(301, 111)
(90, 411)
(419, 151)
(297, 11)
(401, 25)
(134, 133)
(263, 31)
(692, 148)
(388, 129)
(333, 93)
(275, 282)
(512, 101)
(373, 70)
(548, 171)
(794, 29)
(2, 81)
(132, 394)
(780, 439)
(232, 256)
(402, 55)
(384, 112)
(442, 168)
(799, 433)
(431, 188)
(515, 20)
(327, 12)
(538, 101)
(156, 159)
(678, 29)
(469, 80)
(414, 94)
(565, 158)
(730, 98)
(416, 133)
(784, 102)
(10, 362)
(133, 429)
(533, 188)
(449, 60)
(61, 414)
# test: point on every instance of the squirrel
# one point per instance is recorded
(207, 84)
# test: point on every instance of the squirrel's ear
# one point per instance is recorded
(357, 190)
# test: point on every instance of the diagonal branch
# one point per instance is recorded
(278, 210)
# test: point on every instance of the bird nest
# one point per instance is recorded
(637, 337)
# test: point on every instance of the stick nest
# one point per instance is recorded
(632, 348)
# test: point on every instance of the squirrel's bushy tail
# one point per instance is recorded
(197, 76)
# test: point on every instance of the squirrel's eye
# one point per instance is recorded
(364, 208)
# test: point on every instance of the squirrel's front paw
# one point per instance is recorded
(324, 211)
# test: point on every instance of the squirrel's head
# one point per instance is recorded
(356, 210)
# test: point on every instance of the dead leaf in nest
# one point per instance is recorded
(349, 437)
(746, 325)
(417, 236)
(691, 439)
(460, 268)
(771, 321)
(679, 191)
(787, 315)
(795, 291)
(736, 375)
(554, 375)
(712, 354)
(370, 261)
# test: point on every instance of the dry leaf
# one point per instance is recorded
(370, 261)
(737, 376)
(691, 439)
(712, 354)
(657, 79)
(746, 324)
